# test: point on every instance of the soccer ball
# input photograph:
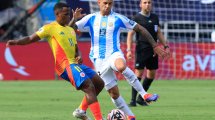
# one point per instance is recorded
(116, 114)
(1, 76)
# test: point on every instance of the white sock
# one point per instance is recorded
(133, 81)
(121, 104)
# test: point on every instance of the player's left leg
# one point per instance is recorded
(81, 81)
(98, 84)
(88, 88)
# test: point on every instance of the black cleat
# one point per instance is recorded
(132, 104)
(142, 103)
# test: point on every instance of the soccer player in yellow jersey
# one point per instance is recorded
(68, 62)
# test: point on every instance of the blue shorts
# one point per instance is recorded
(77, 74)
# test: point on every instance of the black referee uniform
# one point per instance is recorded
(143, 51)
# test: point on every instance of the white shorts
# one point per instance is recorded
(106, 67)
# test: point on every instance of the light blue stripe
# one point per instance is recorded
(118, 23)
(102, 36)
(90, 24)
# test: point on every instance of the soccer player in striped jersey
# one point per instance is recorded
(68, 62)
(105, 53)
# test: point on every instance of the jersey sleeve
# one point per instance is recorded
(158, 23)
(43, 32)
(129, 24)
(83, 24)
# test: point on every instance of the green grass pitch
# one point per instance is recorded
(55, 100)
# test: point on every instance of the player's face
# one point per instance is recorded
(146, 6)
(105, 6)
(64, 16)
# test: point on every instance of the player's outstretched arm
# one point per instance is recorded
(158, 50)
(24, 41)
(76, 15)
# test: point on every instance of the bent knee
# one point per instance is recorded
(114, 92)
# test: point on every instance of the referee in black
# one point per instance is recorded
(144, 54)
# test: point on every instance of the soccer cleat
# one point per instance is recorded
(81, 114)
(142, 103)
(150, 97)
(132, 104)
(130, 118)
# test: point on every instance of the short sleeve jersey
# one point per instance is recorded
(105, 32)
(62, 40)
(151, 23)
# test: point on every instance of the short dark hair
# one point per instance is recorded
(60, 5)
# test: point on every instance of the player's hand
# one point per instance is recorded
(79, 59)
(11, 42)
(77, 13)
(168, 53)
(160, 52)
(128, 55)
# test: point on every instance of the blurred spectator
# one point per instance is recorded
(10, 12)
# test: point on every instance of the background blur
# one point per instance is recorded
(189, 26)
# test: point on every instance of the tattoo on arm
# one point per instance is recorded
(146, 34)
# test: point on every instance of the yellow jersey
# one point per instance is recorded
(62, 40)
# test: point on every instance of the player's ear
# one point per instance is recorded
(140, 3)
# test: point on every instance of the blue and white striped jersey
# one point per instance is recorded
(105, 32)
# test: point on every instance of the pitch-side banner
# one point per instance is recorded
(36, 62)
(188, 61)
(30, 62)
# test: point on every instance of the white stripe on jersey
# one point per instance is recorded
(105, 32)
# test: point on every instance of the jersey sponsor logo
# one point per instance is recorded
(137, 65)
(110, 24)
(82, 74)
(62, 33)
(131, 22)
(71, 42)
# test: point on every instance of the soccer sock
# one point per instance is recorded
(132, 80)
(134, 93)
(84, 104)
(96, 111)
(121, 104)
(146, 84)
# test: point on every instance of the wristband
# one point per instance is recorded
(127, 50)
(166, 46)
